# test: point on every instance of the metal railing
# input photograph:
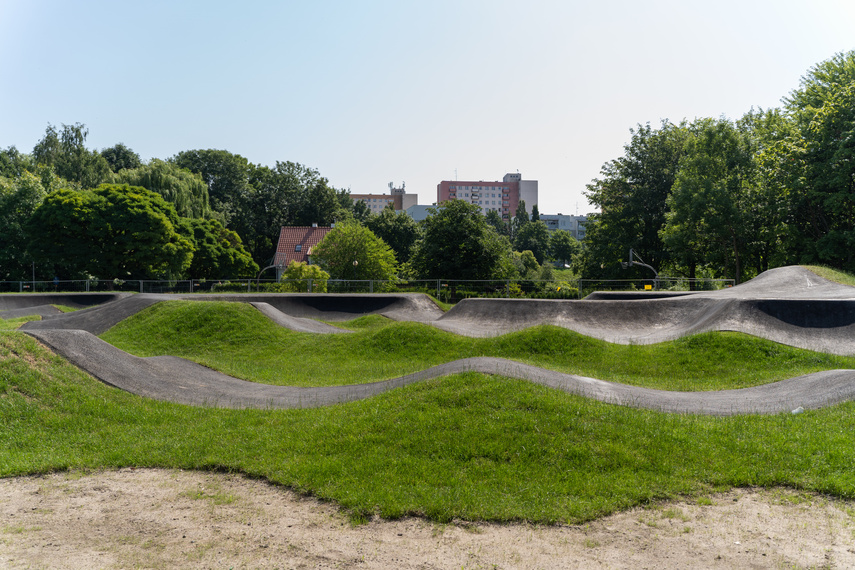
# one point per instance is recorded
(448, 290)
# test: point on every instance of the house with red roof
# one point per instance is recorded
(295, 244)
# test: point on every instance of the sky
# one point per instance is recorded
(369, 92)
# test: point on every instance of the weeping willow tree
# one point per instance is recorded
(186, 191)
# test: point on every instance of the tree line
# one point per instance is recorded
(76, 213)
(725, 198)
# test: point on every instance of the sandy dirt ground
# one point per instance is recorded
(148, 518)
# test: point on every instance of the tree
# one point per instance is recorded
(351, 251)
(227, 177)
(535, 213)
(19, 199)
(297, 275)
(632, 196)
(218, 252)
(563, 246)
(113, 231)
(13, 164)
(398, 230)
(520, 220)
(185, 190)
(361, 212)
(67, 154)
(120, 157)
(709, 203)
(289, 194)
(457, 243)
(526, 264)
(820, 164)
(533, 236)
(495, 221)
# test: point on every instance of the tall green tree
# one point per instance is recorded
(820, 164)
(495, 221)
(120, 157)
(351, 251)
(519, 221)
(709, 205)
(631, 195)
(534, 237)
(185, 190)
(13, 163)
(396, 229)
(19, 198)
(113, 231)
(457, 243)
(66, 153)
(218, 252)
(563, 246)
(227, 176)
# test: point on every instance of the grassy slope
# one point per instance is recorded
(238, 340)
(833, 275)
(467, 446)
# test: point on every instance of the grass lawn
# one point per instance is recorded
(468, 446)
(238, 340)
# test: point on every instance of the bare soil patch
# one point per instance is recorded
(148, 518)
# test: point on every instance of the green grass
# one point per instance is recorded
(833, 275)
(469, 446)
(238, 340)
(13, 324)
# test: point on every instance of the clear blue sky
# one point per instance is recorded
(370, 92)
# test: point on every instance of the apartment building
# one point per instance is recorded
(398, 197)
(503, 197)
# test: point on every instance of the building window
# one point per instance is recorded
(298, 247)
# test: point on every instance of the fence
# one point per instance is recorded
(447, 290)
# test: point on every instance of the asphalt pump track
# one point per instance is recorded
(789, 305)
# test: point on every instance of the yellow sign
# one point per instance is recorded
(648, 287)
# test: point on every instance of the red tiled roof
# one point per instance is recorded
(291, 237)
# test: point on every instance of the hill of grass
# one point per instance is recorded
(468, 446)
(238, 340)
(833, 275)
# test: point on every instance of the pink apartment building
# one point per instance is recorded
(502, 197)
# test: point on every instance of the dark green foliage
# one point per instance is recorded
(120, 157)
(534, 237)
(13, 164)
(65, 152)
(709, 207)
(218, 252)
(494, 220)
(632, 197)
(183, 189)
(399, 231)
(563, 246)
(457, 243)
(19, 198)
(820, 163)
(112, 231)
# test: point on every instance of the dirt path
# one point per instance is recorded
(172, 519)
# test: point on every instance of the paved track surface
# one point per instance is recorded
(789, 305)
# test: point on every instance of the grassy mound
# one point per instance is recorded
(833, 275)
(238, 340)
(468, 446)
